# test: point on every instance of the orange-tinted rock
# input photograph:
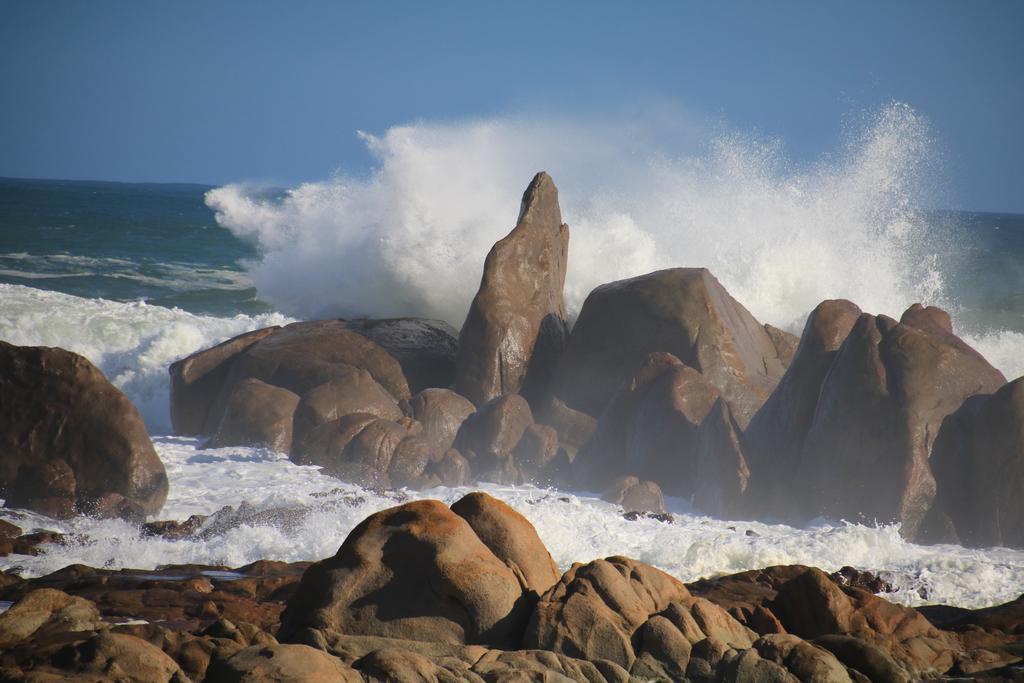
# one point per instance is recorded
(257, 414)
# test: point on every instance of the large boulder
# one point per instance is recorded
(301, 356)
(682, 311)
(979, 469)
(880, 408)
(424, 348)
(488, 436)
(281, 664)
(196, 380)
(60, 418)
(257, 414)
(515, 328)
(417, 571)
(360, 448)
(776, 433)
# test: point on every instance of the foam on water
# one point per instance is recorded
(132, 343)
(575, 527)
(411, 238)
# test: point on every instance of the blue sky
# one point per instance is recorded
(221, 91)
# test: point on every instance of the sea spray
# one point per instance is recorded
(410, 238)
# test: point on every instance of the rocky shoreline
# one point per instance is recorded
(423, 592)
(663, 384)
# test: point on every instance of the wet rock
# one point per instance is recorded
(880, 408)
(515, 329)
(452, 469)
(424, 348)
(490, 434)
(416, 571)
(196, 380)
(635, 495)
(855, 578)
(57, 407)
(681, 311)
(979, 468)
(257, 414)
(353, 391)
(47, 487)
(776, 433)
(441, 412)
(174, 530)
(722, 476)
(303, 355)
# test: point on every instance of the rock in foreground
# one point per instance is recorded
(71, 442)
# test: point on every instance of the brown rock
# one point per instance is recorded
(257, 414)
(511, 538)
(515, 328)
(424, 348)
(46, 611)
(304, 355)
(785, 343)
(594, 609)
(979, 468)
(353, 391)
(452, 469)
(889, 388)
(635, 495)
(722, 474)
(326, 444)
(417, 571)
(775, 436)
(196, 380)
(56, 405)
(47, 487)
(442, 412)
(681, 311)
(493, 431)
(536, 450)
(409, 462)
(281, 664)
(807, 662)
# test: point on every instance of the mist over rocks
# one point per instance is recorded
(71, 442)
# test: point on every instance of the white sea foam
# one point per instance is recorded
(411, 238)
(132, 343)
(575, 527)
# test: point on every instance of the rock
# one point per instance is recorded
(681, 311)
(409, 462)
(442, 412)
(870, 660)
(417, 571)
(886, 394)
(540, 665)
(663, 652)
(515, 328)
(536, 450)
(326, 444)
(979, 468)
(575, 428)
(490, 434)
(281, 664)
(109, 656)
(303, 355)
(452, 469)
(257, 414)
(775, 436)
(196, 380)
(425, 348)
(47, 487)
(785, 343)
(353, 391)
(635, 495)
(594, 609)
(808, 663)
(651, 427)
(749, 667)
(511, 538)
(811, 606)
(56, 405)
(722, 475)
(46, 611)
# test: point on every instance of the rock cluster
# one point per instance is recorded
(422, 591)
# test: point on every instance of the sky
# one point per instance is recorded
(215, 92)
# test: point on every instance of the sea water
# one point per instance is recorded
(137, 276)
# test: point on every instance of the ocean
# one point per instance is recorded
(135, 276)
